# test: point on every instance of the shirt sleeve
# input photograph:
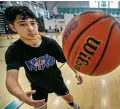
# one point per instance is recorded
(58, 52)
(11, 60)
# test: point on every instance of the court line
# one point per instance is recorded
(3, 46)
(1, 61)
(15, 104)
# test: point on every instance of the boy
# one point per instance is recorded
(38, 55)
(8, 33)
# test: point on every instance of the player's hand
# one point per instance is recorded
(28, 99)
(79, 77)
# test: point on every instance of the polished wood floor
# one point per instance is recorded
(102, 92)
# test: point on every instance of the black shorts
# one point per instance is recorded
(41, 93)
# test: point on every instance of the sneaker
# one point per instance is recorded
(76, 106)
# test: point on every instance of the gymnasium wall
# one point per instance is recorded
(38, 7)
(119, 4)
(99, 4)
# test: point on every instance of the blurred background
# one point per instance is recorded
(51, 13)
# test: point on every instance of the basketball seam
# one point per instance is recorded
(105, 48)
(80, 16)
(87, 13)
(82, 33)
(115, 21)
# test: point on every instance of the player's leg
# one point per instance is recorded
(62, 90)
(40, 94)
(7, 36)
(69, 99)
(11, 36)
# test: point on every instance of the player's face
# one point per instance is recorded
(27, 28)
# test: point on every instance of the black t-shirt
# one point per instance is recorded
(39, 62)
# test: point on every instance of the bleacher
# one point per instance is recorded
(2, 24)
(79, 10)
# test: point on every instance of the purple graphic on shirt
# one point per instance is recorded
(40, 63)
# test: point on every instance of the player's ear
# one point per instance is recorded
(12, 27)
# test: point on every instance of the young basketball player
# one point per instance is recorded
(57, 31)
(8, 33)
(38, 55)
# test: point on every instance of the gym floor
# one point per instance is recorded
(102, 92)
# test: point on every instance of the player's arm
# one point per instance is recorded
(13, 65)
(13, 61)
(61, 58)
(58, 52)
(15, 89)
(12, 84)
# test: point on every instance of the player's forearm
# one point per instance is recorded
(14, 88)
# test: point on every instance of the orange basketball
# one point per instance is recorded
(91, 43)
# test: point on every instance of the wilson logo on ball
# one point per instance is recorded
(90, 47)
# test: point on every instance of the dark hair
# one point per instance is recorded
(13, 11)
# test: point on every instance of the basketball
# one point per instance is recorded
(91, 43)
